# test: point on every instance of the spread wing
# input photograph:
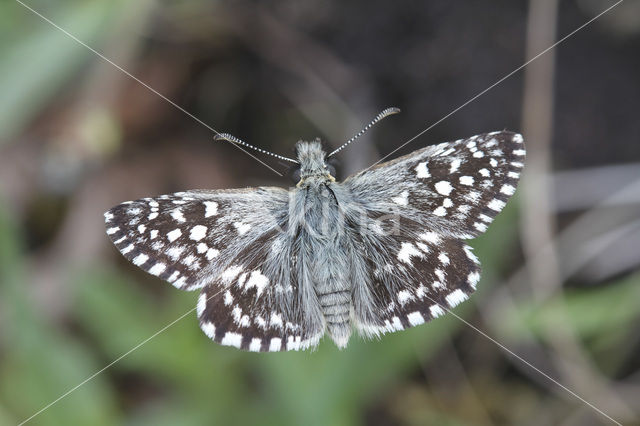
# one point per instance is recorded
(432, 200)
(231, 245)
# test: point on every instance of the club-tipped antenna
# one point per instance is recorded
(230, 138)
(387, 112)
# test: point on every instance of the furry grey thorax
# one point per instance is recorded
(324, 275)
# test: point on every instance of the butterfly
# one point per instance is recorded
(382, 251)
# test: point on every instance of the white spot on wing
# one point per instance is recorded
(202, 247)
(228, 298)
(397, 325)
(473, 196)
(402, 199)
(158, 268)
(473, 279)
(153, 233)
(180, 282)
(508, 189)
(519, 152)
(140, 259)
(202, 304)
(456, 297)
(484, 172)
(211, 253)
(255, 344)
(113, 230)
(425, 248)
(484, 218)
(275, 344)
(141, 229)
(455, 165)
(440, 211)
(242, 227)
(470, 255)
(480, 226)
(260, 322)
(198, 232)
(230, 273)
(422, 170)
(466, 180)
(496, 205)
(407, 251)
(431, 237)
(447, 152)
(443, 187)
(174, 235)
(276, 320)
(177, 215)
(175, 252)
(232, 339)
(210, 208)
(404, 296)
(415, 318)
(209, 329)
(444, 259)
(436, 311)
(188, 261)
(257, 280)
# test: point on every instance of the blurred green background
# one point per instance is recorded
(561, 282)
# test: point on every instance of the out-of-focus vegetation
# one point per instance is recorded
(77, 136)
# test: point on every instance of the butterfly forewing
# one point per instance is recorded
(457, 188)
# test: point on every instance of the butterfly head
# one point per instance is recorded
(313, 167)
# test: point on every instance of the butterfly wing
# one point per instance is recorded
(230, 244)
(457, 187)
(433, 198)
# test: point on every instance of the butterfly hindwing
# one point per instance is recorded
(423, 276)
(254, 304)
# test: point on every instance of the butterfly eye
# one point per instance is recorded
(295, 175)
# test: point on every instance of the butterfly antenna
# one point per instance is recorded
(230, 138)
(387, 112)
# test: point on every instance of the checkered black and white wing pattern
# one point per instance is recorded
(458, 186)
(258, 308)
(420, 276)
(440, 195)
(220, 242)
